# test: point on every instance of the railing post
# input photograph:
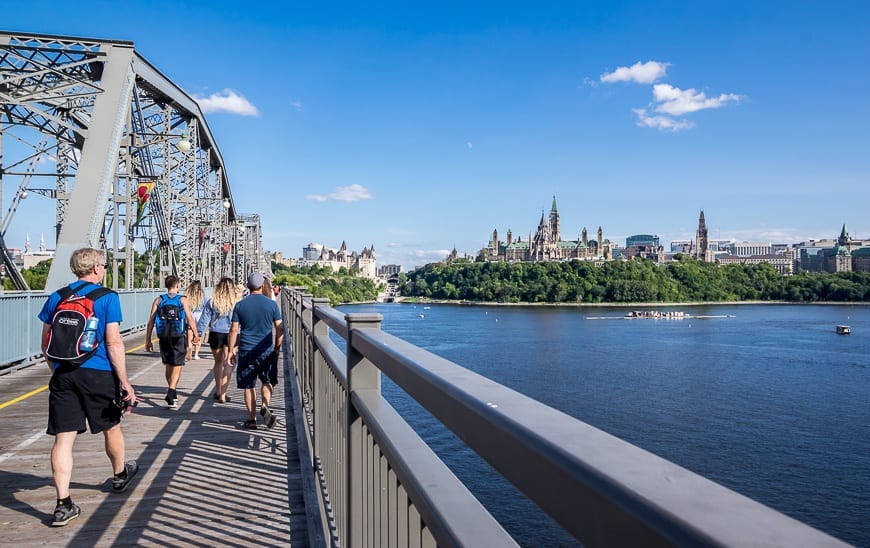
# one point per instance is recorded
(361, 375)
(318, 329)
(306, 347)
(295, 325)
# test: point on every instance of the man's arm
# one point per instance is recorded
(46, 331)
(279, 335)
(231, 340)
(189, 315)
(148, 330)
(118, 358)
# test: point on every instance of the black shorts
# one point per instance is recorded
(173, 350)
(218, 340)
(252, 367)
(79, 395)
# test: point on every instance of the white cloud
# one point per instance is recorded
(297, 105)
(664, 123)
(227, 101)
(469, 144)
(676, 101)
(352, 193)
(642, 73)
(409, 255)
(435, 254)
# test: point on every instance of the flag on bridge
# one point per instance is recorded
(143, 195)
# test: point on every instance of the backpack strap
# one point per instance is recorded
(68, 290)
(95, 294)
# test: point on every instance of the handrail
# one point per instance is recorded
(604, 491)
(20, 344)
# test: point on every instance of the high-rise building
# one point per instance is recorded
(648, 240)
(681, 246)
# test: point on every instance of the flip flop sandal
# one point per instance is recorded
(268, 417)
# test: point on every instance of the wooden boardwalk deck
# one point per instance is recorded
(203, 479)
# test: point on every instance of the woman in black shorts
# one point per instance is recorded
(216, 315)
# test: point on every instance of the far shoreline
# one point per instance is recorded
(630, 305)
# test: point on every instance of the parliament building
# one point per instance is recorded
(546, 244)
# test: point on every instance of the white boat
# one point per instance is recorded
(658, 315)
(844, 330)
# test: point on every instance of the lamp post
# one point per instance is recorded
(183, 145)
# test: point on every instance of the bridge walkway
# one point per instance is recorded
(203, 479)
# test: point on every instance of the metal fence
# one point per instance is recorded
(381, 485)
(20, 329)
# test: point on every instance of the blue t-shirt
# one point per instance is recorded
(107, 309)
(256, 315)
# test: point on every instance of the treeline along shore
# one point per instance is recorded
(682, 281)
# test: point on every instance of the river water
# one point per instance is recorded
(769, 402)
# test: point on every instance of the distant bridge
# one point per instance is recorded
(130, 163)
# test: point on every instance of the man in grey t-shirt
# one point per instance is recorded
(256, 320)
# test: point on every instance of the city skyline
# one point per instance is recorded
(420, 129)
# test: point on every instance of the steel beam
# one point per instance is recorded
(115, 121)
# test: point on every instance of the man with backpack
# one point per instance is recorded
(170, 314)
(81, 340)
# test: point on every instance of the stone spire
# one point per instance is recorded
(701, 241)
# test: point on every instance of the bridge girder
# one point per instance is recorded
(115, 123)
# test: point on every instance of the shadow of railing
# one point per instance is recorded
(209, 482)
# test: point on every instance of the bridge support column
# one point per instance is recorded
(85, 212)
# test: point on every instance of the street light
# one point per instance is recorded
(226, 203)
(183, 145)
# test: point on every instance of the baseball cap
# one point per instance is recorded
(255, 280)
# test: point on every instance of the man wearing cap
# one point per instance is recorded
(257, 329)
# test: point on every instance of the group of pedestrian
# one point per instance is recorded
(89, 387)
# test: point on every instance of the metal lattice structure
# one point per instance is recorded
(118, 131)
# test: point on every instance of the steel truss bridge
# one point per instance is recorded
(127, 157)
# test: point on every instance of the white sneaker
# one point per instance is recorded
(196, 356)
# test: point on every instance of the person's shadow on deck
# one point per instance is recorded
(12, 483)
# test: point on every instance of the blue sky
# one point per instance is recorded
(420, 128)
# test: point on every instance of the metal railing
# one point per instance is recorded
(381, 485)
(20, 329)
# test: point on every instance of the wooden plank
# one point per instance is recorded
(203, 479)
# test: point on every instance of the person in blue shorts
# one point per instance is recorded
(257, 328)
(85, 395)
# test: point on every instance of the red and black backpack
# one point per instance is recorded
(68, 323)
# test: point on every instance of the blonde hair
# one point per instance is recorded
(225, 296)
(82, 261)
(194, 294)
